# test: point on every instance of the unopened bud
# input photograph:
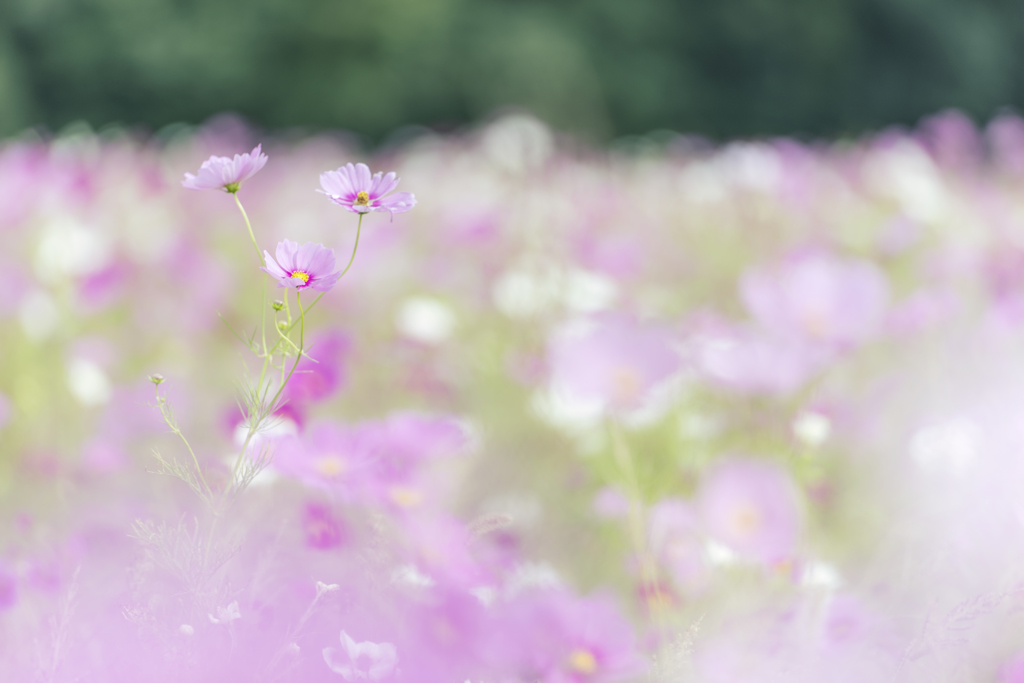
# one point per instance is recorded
(156, 379)
(277, 304)
(282, 325)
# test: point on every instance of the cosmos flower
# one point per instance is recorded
(561, 638)
(370, 661)
(310, 266)
(753, 508)
(612, 361)
(224, 173)
(817, 297)
(354, 189)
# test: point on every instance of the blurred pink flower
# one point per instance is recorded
(225, 173)
(330, 456)
(750, 360)
(613, 360)
(818, 297)
(366, 660)
(321, 377)
(441, 547)
(560, 638)
(310, 266)
(675, 538)
(753, 508)
(322, 530)
(354, 189)
(372, 462)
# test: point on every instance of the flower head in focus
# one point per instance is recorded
(354, 189)
(369, 661)
(310, 266)
(224, 173)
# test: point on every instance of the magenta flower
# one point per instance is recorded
(223, 173)
(310, 266)
(354, 189)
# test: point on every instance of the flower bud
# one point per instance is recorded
(282, 325)
(277, 304)
(156, 379)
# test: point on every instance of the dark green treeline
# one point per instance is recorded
(603, 68)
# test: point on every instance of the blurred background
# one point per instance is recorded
(600, 68)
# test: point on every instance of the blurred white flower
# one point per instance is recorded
(950, 447)
(225, 615)
(69, 249)
(366, 660)
(88, 383)
(811, 429)
(425, 319)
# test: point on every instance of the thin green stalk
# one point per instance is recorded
(255, 246)
(648, 565)
(255, 421)
(359, 227)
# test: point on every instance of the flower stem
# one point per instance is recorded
(648, 565)
(255, 246)
(359, 227)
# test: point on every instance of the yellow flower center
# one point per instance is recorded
(299, 275)
(405, 497)
(363, 198)
(581, 661)
(329, 466)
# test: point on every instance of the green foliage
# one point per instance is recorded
(597, 67)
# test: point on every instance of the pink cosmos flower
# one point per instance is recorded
(310, 266)
(323, 531)
(753, 507)
(817, 297)
(750, 360)
(354, 189)
(673, 529)
(355, 661)
(612, 360)
(224, 173)
(560, 638)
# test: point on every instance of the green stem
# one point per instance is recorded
(255, 246)
(257, 420)
(359, 227)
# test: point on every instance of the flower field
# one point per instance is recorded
(495, 406)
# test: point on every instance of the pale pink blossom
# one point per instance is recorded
(354, 189)
(225, 173)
